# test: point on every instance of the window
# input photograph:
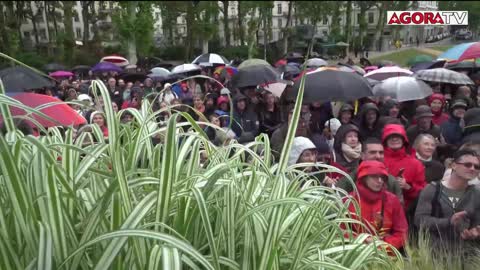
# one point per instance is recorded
(157, 16)
(78, 31)
(26, 34)
(279, 9)
(43, 34)
(325, 33)
(325, 20)
(358, 18)
(275, 36)
(280, 22)
(76, 18)
(371, 17)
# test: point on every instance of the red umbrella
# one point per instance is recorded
(281, 62)
(61, 74)
(60, 112)
(115, 59)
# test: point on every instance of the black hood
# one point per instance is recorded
(387, 106)
(346, 107)
(360, 121)
(340, 136)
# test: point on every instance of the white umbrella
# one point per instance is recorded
(277, 88)
(316, 62)
(387, 72)
(403, 89)
(185, 68)
(160, 71)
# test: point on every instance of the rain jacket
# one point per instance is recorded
(245, 123)
(414, 172)
(439, 117)
(300, 144)
(320, 116)
(345, 108)
(361, 123)
(337, 147)
(435, 210)
(381, 211)
(452, 130)
(387, 106)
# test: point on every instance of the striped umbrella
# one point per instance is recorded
(115, 59)
(443, 75)
(462, 52)
(211, 58)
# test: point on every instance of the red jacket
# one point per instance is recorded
(414, 172)
(390, 224)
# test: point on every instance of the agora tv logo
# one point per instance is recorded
(427, 17)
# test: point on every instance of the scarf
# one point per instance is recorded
(422, 159)
(351, 153)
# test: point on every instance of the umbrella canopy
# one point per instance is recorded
(186, 68)
(403, 89)
(20, 79)
(419, 59)
(61, 74)
(60, 111)
(427, 65)
(158, 72)
(330, 84)
(253, 62)
(255, 75)
(53, 67)
(115, 59)
(388, 72)
(443, 75)
(130, 67)
(293, 56)
(211, 58)
(342, 44)
(462, 52)
(133, 77)
(225, 70)
(316, 62)
(385, 63)
(106, 67)
(277, 88)
(369, 69)
(81, 69)
(292, 70)
(466, 65)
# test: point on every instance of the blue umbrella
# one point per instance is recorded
(106, 67)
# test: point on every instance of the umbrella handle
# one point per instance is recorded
(356, 107)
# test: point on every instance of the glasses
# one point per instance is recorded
(470, 165)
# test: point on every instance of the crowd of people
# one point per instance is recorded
(414, 164)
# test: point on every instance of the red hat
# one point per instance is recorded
(371, 167)
(222, 99)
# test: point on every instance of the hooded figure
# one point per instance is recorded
(391, 108)
(345, 115)
(347, 147)
(367, 121)
(424, 124)
(380, 210)
(452, 128)
(401, 163)
(245, 120)
(471, 132)
(437, 103)
(300, 144)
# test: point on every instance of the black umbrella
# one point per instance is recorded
(427, 65)
(133, 77)
(254, 75)
(20, 79)
(464, 66)
(54, 67)
(81, 69)
(289, 70)
(331, 85)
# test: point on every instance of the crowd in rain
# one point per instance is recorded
(411, 146)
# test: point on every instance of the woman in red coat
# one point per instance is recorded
(437, 104)
(380, 210)
(401, 163)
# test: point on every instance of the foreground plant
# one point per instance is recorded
(131, 204)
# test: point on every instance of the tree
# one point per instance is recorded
(335, 30)
(205, 28)
(287, 29)
(33, 17)
(69, 38)
(348, 22)
(241, 29)
(382, 7)
(134, 24)
(170, 11)
(362, 23)
(473, 8)
(226, 22)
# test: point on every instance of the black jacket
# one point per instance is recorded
(245, 123)
(361, 122)
(414, 131)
